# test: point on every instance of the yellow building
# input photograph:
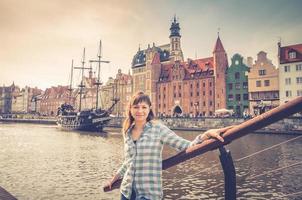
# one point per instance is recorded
(263, 82)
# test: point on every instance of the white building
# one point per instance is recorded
(290, 72)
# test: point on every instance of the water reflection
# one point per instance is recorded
(42, 162)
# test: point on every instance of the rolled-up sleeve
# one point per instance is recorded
(170, 138)
(121, 171)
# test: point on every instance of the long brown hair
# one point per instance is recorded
(136, 99)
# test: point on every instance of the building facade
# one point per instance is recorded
(52, 99)
(6, 98)
(177, 87)
(263, 85)
(237, 86)
(290, 72)
(123, 86)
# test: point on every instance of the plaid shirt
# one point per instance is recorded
(142, 166)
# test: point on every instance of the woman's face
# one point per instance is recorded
(140, 112)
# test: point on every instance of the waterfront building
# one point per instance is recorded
(53, 98)
(123, 85)
(146, 69)
(263, 85)
(107, 93)
(21, 99)
(237, 86)
(6, 98)
(177, 87)
(88, 93)
(290, 71)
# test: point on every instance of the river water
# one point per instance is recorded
(43, 162)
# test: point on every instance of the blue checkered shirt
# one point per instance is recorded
(142, 166)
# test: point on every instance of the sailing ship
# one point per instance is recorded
(87, 120)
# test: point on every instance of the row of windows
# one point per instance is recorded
(193, 105)
(238, 97)
(298, 68)
(238, 86)
(288, 93)
(288, 80)
(191, 94)
(266, 83)
(191, 86)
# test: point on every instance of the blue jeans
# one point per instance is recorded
(133, 195)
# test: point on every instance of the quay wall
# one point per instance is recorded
(291, 125)
(288, 125)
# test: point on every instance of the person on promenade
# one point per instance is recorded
(143, 144)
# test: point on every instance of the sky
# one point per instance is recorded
(39, 38)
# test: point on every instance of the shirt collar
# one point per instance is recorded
(146, 126)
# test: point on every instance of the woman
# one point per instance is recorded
(143, 142)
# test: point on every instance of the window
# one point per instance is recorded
(203, 84)
(197, 85)
(238, 97)
(287, 68)
(211, 103)
(299, 67)
(245, 85)
(210, 84)
(230, 85)
(197, 94)
(266, 83)
(299, 80)
(204, 103)
(179, 94)
(159, 96)
(179, 87)
(245, 97)
(230, 97)
(191, 85)
(262, 72)
(287, 81)
(203, 93)
(258, 83)
(237, 86)
(237, 75)
(288, 93)
(174, 95)
(299, 93)
(292, 55)
(191, 94)
(211, 92)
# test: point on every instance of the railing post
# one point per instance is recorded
(229, 173)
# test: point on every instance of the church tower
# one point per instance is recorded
(175, 47)
(220, 67)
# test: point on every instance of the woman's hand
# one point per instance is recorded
(214, 133)
(110, 183)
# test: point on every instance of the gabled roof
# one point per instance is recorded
(284, 52)
(192, 68)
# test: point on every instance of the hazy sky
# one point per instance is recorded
(39, 38)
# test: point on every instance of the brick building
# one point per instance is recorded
(177, 87)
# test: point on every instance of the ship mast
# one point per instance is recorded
(81, 86)
(99, 61)
(70, 85)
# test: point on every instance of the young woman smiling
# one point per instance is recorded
(144, 139)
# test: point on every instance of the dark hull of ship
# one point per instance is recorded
(74, 122)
